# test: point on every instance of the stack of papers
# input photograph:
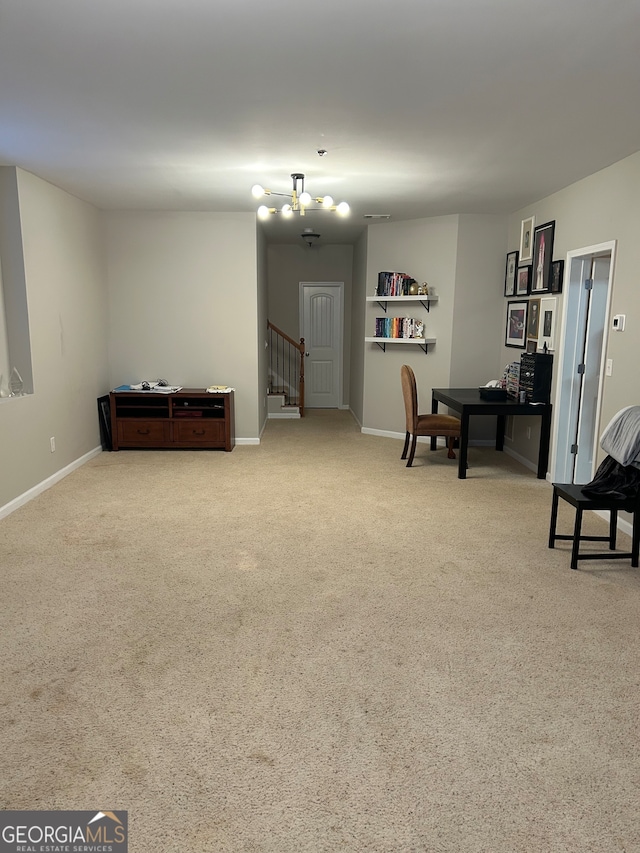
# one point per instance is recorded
(153, 388)
(219, 389)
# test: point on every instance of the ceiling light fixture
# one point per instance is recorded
(299, 202)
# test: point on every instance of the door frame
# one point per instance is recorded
(339, 285)
(566, 351)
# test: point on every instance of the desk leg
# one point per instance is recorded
(500, 432)
(434, 411)
(464, 440)
(545, 435)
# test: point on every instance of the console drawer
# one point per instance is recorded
(143, 433)
(205, 431)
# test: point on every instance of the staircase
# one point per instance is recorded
(285, 398)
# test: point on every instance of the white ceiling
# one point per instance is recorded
(425, 107)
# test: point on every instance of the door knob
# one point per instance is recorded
(307, 354)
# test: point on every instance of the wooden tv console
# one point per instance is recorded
(188, 419)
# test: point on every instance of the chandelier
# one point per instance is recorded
(300, 201)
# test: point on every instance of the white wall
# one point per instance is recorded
(67, 306)
(477, 309)
(183, 303)
(358, 326)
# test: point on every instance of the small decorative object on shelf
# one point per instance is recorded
(16, 385)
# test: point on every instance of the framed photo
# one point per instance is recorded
(557, 274)
(510, 274)
(532, 346)
(533, 318)
(547, 324)
(526, 240)
(523, 281)
(516, 330)
(542, 254)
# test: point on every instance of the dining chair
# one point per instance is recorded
(417, 424)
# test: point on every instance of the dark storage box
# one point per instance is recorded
(493, 393)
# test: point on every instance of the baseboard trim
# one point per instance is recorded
(252, 441)
(32, 493)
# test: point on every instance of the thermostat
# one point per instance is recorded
(618, 322)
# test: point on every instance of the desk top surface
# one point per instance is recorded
(470, 398)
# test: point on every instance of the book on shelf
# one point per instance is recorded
(394, 284)
(399, 327)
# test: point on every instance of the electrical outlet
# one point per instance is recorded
(52, 442)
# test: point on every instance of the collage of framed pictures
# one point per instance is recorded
(531, 272)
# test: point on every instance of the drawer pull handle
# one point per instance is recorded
(144, 431)
(198, 432)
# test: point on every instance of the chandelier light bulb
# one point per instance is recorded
(327, 201)
(343, 208)
(257, 191)
(287, 210)
(305, 198)
(263, 211)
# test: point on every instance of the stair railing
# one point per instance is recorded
(286, 366)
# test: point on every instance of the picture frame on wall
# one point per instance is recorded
(526, 240)
(523, 281)
(547, 324)
(542, 254)
(510, 274)
(557, 274)
(516, 328)
(533, 319)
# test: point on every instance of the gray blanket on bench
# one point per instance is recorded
(621, 437)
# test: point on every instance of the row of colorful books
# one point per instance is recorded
(399, 327)
(394, 284)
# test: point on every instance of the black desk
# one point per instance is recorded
(467, 402)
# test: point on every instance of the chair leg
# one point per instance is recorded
(450, 454)
(577, 531)
(635, 538)
(406, 446)
(414, 440)
(613, 528)
(554, 520)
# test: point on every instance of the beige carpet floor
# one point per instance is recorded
(305, 647)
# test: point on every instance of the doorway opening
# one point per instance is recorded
(581, 366)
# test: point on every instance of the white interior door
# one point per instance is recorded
(321, 307)
(581, 366)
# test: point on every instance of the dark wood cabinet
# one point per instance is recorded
(190, 418)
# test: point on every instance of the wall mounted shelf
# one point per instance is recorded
(382, 300)
(423, 343)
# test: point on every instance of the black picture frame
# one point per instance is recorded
(542, 254)
(533, 318)
(510, 271)
(104, 419)
(557, 274)
(523, 281)
(516, 328)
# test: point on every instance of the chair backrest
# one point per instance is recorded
(410, 394)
